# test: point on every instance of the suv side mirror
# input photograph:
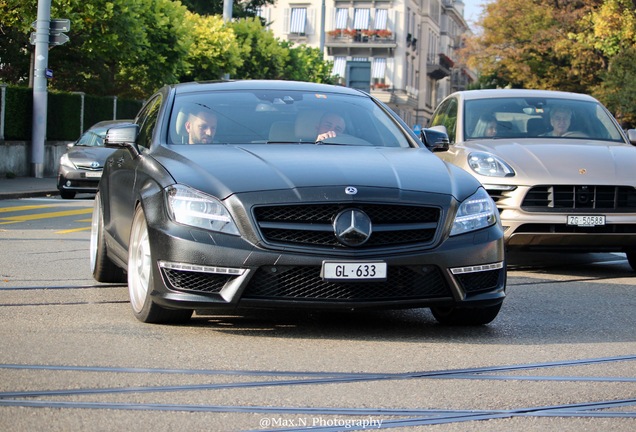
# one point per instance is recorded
(631, 135)
(435, 138)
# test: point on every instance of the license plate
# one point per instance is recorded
(351, 271)
(92, 174)
(586, 221)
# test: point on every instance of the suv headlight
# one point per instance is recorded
(476, 212)
(489, 165)
(188, 206)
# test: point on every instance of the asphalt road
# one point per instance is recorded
(560, 356)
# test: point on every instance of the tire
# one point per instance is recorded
(140, 279)
(66, 194)
(631, 259)
(457, 316)
(103, 269)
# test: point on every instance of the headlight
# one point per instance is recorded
(476, 212)
(65, 161)
(191, 207)
(490, 165)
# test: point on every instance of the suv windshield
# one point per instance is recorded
(538, 117)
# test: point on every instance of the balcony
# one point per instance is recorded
(372, 40)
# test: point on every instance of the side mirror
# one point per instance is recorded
(122, 136)
(435, 138)
(631, 135)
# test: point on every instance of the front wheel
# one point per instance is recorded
(457, 316)
(102, 267)
(140, 279)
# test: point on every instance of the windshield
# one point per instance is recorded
(93, 137)
(538, 117)
(281, 117)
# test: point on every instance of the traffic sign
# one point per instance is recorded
(58, 39)
(60, 25)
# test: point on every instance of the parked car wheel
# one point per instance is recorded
(140, 278)
(457, 316)
(67, 194)
(631, 258)
(103, 269)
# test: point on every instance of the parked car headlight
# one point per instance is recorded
(190, 207)
(65, 161)
(476, 212)
(490, 165)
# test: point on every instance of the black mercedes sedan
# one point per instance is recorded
(226, 196)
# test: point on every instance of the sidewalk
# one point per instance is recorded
(26, 187)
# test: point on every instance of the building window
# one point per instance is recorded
(298, 20)
(342, 18)
(381, 17)
(361, 19)
(378, 69)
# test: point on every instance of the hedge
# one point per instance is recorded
(64, 113)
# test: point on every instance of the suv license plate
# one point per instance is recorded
(586, 221)
(351, 271)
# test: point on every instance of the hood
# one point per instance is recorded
(83, 156)
(222, 170)
(561, 161)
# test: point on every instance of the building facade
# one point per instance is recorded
(405, 49)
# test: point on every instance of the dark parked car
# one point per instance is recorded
(80, 168)
(299, 195)
(558, 165)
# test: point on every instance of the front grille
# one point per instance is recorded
(479, 281)
(184, 280)
(305, 284)
(311, 225)
(580, 197)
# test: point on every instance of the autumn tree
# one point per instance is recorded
(529, 44)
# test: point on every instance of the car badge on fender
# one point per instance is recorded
(582, 171)
(352, 227)
(350, 190)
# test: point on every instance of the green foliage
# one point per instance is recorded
(240, 9)
(307, 64)
(213, 52)
(264, 57)
(618, 89)
(62, 118)
(19, 109)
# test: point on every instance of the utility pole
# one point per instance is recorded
(47, 33)
(40, 95)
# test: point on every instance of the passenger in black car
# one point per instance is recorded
(329, 126)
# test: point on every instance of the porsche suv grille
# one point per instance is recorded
(580, 197)
(312, 225)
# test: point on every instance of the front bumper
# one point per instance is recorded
(200, 270)
(78, 180)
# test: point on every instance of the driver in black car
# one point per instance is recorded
(329, 126)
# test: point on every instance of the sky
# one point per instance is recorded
(472, 9)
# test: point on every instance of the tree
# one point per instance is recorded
(240, 9)
(530, 44)
(264, 57)
(618, 88)
(214, 51)
(307, 64)
(15, 51)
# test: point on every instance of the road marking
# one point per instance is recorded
(68, 231)
(29, 217)
(26, 207)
